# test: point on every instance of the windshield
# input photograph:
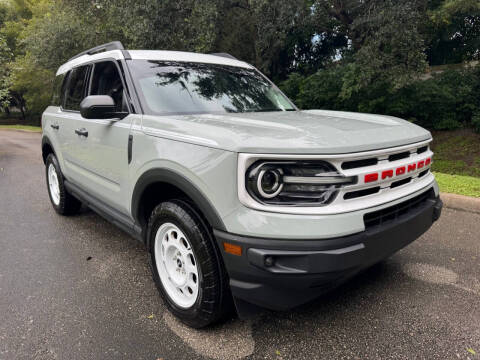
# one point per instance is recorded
(167, 87)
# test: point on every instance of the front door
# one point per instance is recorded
(105, 159)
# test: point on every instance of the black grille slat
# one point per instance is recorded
(422, 149)
(423, 173)
(400, 182)
(347, 165)
(360, 193)
(399, 156)
(391, 213)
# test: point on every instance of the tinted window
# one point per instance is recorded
(106, 80)
(193, 88)
(76, 88)
(58, 90)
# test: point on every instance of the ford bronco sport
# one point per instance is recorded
(243, 200)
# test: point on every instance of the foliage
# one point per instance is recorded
(275, 23)
(291, 86)
(445, 101)
(33, 81)
(453, 31)
(320, 90)
(387, 54)
(5, 56)
(55, 35)
(357, 55)
(476, 121)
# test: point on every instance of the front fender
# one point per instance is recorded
(48, 140)
(174, 178)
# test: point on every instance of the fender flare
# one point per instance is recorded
(46, 141)
(175, 179)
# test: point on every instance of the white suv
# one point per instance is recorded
(239, 197)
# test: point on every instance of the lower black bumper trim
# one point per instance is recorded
(282, 274)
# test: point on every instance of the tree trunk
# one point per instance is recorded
(22, 110)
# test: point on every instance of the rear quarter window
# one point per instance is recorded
(58, 90)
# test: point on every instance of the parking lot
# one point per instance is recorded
(79, 288)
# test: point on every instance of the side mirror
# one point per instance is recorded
(100, 107)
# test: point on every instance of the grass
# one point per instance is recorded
(456, 152)
(22, 127)
(456, 162)
(458, 184)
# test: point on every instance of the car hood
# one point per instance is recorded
(290, 132)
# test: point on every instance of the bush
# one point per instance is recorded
(430, 104)
(291, 86)
(445, 101)
(322, 90)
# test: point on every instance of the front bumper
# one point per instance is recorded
(282, 274)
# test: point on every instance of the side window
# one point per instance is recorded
(76, 88)
(58, 90)
(106, 80)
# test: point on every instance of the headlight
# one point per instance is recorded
(294, 183)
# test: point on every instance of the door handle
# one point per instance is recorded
(55, 127)
(82, 132)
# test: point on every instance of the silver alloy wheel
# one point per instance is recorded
(53, 184)
(176, 265)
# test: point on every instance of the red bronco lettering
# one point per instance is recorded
(398, 171)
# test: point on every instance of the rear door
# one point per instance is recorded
(73, 142)
(52, 118)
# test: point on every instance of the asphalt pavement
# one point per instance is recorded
(79, 288)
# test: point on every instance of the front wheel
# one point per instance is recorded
(186, 266)
(62, 201)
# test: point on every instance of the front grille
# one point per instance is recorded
(395, 212)
(355, 164)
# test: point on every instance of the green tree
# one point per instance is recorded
(5, 56)
(453, 31)
(33, 82)
(392, 47)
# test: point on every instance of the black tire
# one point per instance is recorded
(68, 204)
(214, 301)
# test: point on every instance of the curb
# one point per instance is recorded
(461, 202)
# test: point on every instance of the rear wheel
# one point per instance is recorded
(186, 265)
(62, 201)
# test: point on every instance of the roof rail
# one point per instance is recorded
(114, 45)
(225, 55)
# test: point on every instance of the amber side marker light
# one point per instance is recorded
(232, 249)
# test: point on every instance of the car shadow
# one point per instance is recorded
(367, 283)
